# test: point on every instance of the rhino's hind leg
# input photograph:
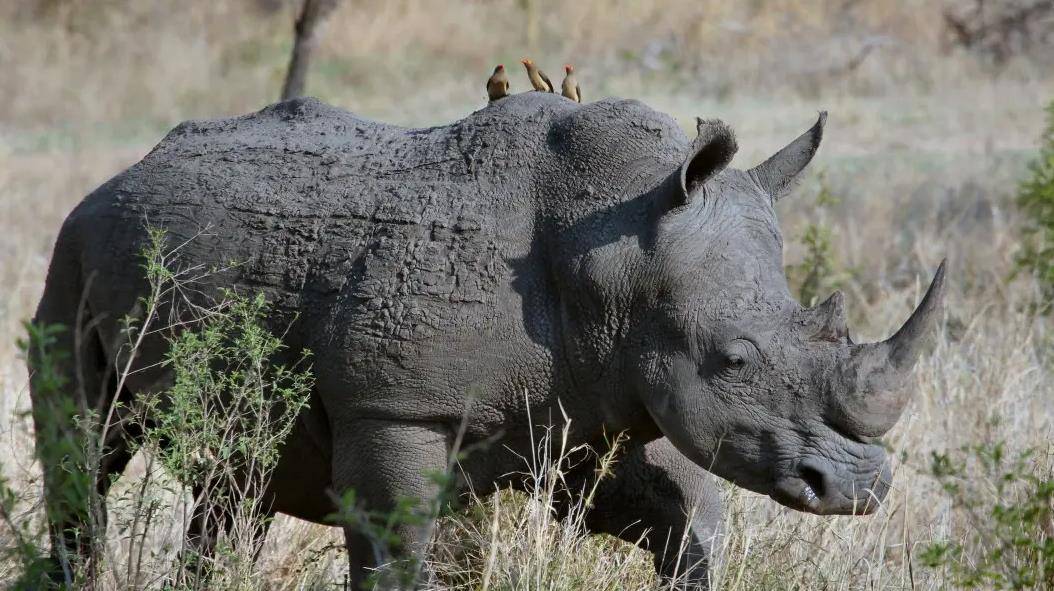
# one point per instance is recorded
(70, 378)
(210, 519)
(390, 468)
(76, 515)
(670, 506)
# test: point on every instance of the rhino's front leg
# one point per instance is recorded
(667, 504)
(391, 468)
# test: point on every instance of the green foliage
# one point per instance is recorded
(818, 264)
(218, 427)
(819, 271)
(1035, 197)
(54, 412)
(55, 445)
(222, 422)
(23, 549)
(229, 403)
(1007, 503)
(64, 425)
(221, 426)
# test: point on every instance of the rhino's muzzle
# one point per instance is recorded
(872, 397)
(817, 486)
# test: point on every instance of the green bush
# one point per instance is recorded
(1003, 507)
(1035, 197)
(819, 272)
(229, 404)
(221, 425)
(218, 426)
(54, 412)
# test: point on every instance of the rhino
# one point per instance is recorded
(537, 258)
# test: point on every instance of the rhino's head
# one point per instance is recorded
(742, 378)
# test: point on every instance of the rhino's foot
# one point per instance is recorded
(687, 570)
(660, 500)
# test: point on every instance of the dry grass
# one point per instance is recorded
(924, 146)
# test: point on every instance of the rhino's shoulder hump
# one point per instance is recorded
(616, 126)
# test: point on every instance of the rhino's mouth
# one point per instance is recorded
(820, 486)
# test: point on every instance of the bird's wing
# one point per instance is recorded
(506, 86)
(578, 91)
(546, 79)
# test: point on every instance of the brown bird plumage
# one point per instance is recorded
(570, 86)
(537, 77)
(498, 84)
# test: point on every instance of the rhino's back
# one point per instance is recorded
(290, 190)
(397, 252)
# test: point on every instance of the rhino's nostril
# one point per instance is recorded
(814, 479)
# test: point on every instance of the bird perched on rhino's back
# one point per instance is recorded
(498, 84)
(537, 77)
(570, 86)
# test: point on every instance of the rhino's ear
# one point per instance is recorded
(712, 150)
(776, 175)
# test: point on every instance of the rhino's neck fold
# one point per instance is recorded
(595, 267)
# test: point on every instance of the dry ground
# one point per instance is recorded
(924, 148)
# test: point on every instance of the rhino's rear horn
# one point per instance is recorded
(776, 175)
(830, 319)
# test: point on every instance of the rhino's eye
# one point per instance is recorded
(738, 360)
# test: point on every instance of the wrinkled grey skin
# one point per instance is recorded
(538, 252)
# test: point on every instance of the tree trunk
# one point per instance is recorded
(308, 31)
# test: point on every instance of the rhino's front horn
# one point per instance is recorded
(872, 398)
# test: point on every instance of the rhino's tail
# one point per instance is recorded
(71, 387)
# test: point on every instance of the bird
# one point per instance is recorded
(498, 84)
(537, 77)
(570, 86)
